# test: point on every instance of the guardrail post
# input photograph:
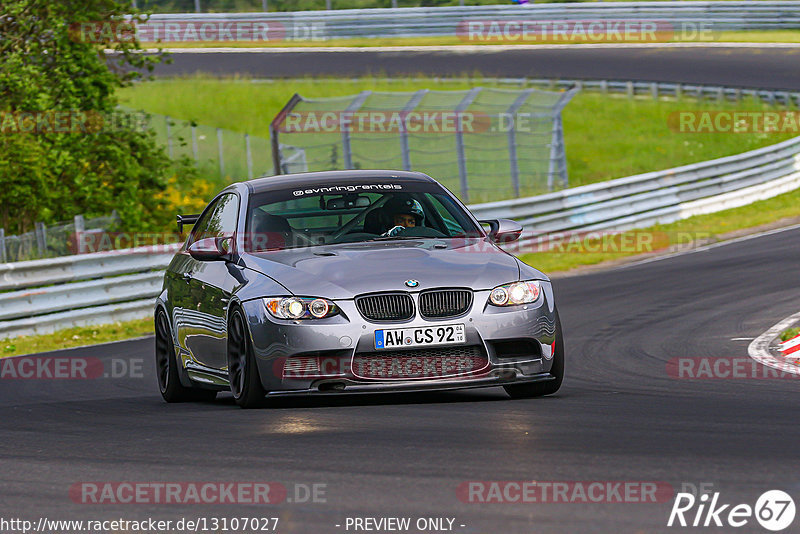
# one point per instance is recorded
(80, 227)
(197, 6)
(249, 156)
(462, 158)
(629, 89)
(737, 94)
(169, 136)
(512, 139)
(654, 90)
(221, 153)
(354, 106)
(3, 257)
(721, 94)
(264, 6)
(41, 238)
(679, 92)
(405, 151)
(604, 86)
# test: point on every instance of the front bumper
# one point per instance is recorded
(344, 337)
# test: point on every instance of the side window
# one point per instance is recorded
(219, 220)
(450, 221)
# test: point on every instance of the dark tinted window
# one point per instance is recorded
(219, 220)
(324, 215)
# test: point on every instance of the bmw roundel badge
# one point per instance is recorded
(412, 283)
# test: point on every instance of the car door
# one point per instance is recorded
(211, 284)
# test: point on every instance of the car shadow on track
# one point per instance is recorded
(377, 399)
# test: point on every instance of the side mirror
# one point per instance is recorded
(503, 230)
(211, 249)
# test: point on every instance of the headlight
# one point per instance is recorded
(300, 307)
(515, 293)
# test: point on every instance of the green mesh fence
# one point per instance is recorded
(483, 144)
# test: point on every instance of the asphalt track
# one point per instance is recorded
(735, 66)
(620, 416)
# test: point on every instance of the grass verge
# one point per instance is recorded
(776, 36)
(75, 337)
(789, 334)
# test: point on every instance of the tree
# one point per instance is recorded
(54, 66)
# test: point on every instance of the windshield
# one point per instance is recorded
(314, 216)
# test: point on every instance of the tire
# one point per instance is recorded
(538, 389)
(169, 383)
(242, 369)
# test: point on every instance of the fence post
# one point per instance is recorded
(221, 153)
(512, 139)
(249, 156)
(558, 153)
(264, 6)
(194, 143)
(169, 136)
(197, 6)
(462, 159)
(408, 108)
(41, 238)
(80, 227)
(354, 106)
(3, 257)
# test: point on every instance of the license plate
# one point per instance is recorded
(422, 336)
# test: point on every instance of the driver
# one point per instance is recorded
(404, 213)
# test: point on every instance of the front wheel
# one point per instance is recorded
(242, 370)
(538, 389)
(169, 383)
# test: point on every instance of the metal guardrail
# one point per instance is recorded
(101, 287)
(451, 21)
(657, 197)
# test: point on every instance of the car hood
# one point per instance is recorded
(345, 270)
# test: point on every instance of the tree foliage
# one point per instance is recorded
(48, 67)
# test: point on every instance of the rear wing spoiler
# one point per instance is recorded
(186, 219)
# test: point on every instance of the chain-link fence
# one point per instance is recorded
(217, 152)
(56, 240)
(484, 144)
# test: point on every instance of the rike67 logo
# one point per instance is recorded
(774, 510)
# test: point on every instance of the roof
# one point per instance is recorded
(284, 181)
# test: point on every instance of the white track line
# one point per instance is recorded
(468, 49)
(759, 348)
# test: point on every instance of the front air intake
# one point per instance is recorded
(440, 303)
(386, 306)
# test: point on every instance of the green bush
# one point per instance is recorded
(46, 68)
